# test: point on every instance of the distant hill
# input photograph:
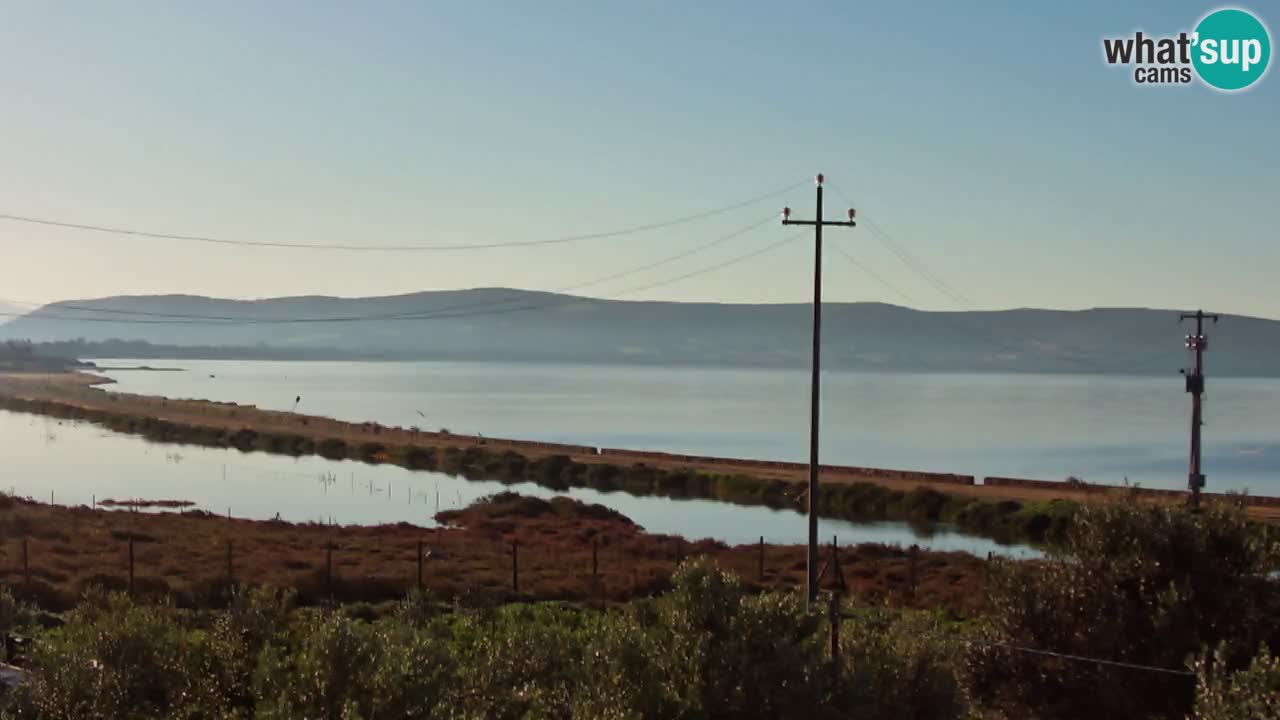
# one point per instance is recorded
(7, 311)
(24, 357)
(517, 325)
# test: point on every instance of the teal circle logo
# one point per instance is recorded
(1231, 49)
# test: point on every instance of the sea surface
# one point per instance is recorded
(1104, 429)
(74, 463)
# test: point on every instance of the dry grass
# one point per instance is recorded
(184, 556)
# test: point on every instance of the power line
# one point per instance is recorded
(734, 261)
(398, 248)
(1082, 658)
(874, 275)
(231, 320)
(945, 288)
(667, 260)
(916, 266)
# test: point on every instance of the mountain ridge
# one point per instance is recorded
(502, 324)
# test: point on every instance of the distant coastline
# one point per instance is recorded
(146, 351)
(557, 328)
(135, 368)
(1009, 510)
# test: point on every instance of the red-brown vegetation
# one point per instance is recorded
(185, 556)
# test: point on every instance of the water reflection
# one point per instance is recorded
(90, 463)
(1099, 428)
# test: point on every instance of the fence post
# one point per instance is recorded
(595, 561)
(231, 577)
(95, 501)
(834, 616)
(515, 566)
(26, 565)
(679, 549)
(419, 566)
(761, 558)
(328, 567)
(911, 572)
(130, 564)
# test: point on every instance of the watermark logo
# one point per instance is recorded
(1229, 50)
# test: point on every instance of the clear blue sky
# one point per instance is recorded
(988, 138)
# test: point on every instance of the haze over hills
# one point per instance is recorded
(517, 325)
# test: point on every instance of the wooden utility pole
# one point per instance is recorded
(818, 223)
(1195, 385)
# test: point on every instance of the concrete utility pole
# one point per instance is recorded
(1195, 386)
(818, 223)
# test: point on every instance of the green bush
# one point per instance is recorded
(418, 458)
(333, 448)
(1250, 693)
(335, 667)
(15, 616)
(253, 620)
(721, 652)
(517, 661)
(603, 476)
(114, 660)
(900, 665)
(1133, 582)
(371, 451)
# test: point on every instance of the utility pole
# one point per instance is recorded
(1195, 386)
(811, 591)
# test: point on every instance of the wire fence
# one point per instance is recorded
(198, 558)
(597, 572)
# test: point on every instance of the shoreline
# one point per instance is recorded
(849, 493)
(133, 368)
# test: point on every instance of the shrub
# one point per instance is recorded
(720, 652)
(371, 451)
(418, 458)
(333, 448)
(1134, 582)
(518, 661)
(321, 675)
(252, 620)
(1253, 692)
(15, 616)
(117, 660)
(603, 476)
(896, 665)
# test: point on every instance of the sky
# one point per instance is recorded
(989, 140)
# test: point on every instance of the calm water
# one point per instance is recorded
(1099, 428)
(79, 461)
